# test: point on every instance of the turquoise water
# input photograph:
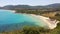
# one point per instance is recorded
(8, 17)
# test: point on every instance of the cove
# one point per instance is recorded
(12, 21)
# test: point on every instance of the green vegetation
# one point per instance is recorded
(38, 30)
(35, 30)
(37, 12)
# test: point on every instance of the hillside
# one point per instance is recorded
(51, 6)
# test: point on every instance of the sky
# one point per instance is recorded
(28, 2)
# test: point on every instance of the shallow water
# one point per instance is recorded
(8, 17)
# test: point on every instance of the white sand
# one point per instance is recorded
(50, 24)
(13, 11)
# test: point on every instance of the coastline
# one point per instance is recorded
(50, 24)
(47, 20)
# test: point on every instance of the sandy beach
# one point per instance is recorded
(47, 20)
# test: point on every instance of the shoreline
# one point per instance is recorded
(50, 24)
(47, 20)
